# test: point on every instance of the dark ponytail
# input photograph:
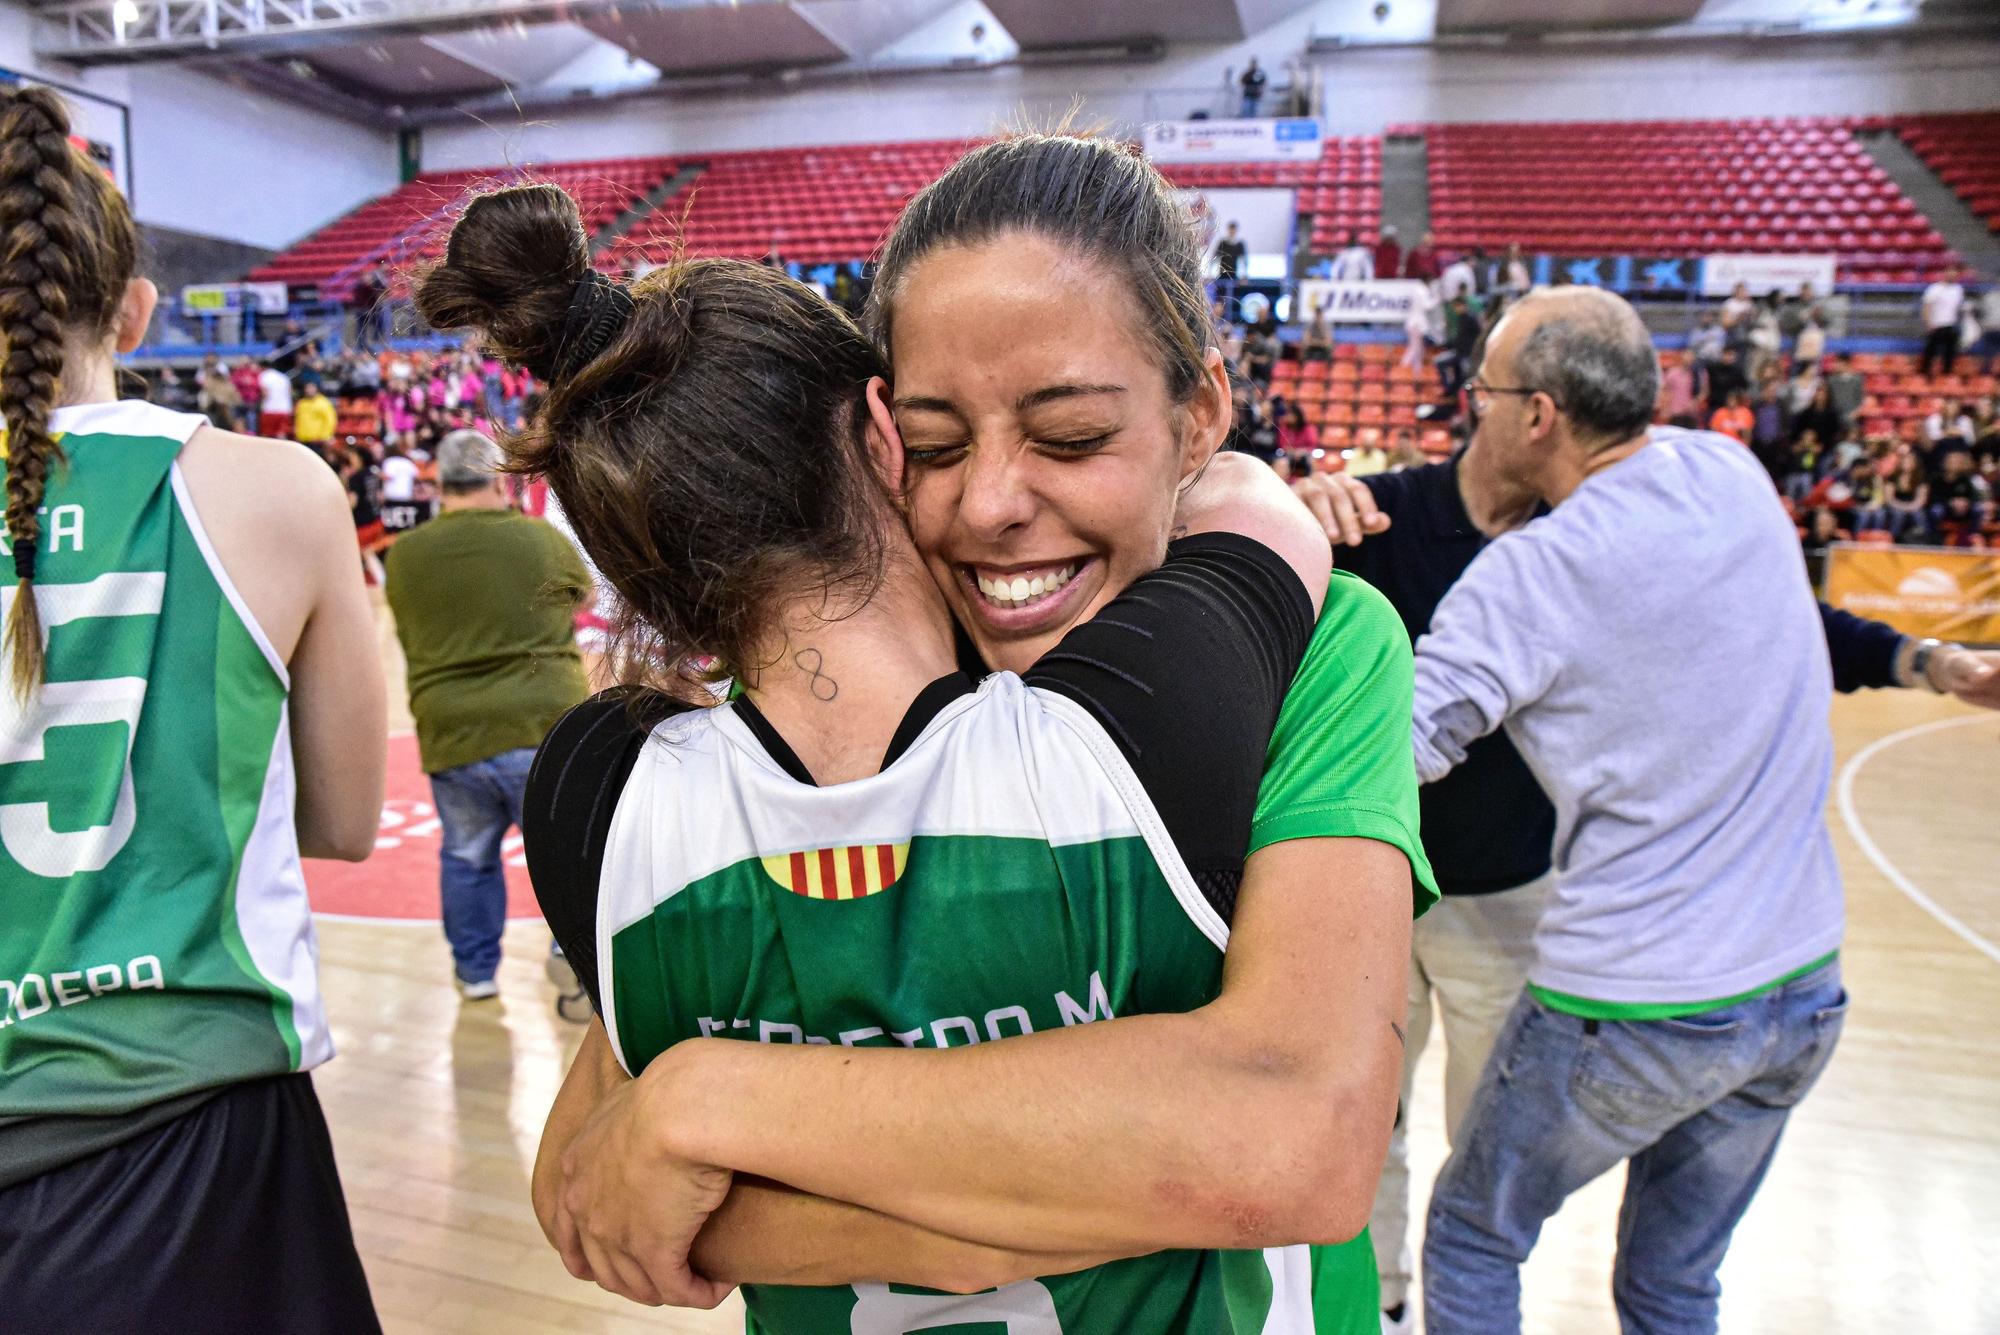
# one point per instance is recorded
(67, 250)
(703, 428)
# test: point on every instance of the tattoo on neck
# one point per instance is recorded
(823, 687)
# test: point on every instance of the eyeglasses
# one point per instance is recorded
(1478, 392)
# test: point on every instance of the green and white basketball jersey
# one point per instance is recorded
(156, 939)
(1006, 874)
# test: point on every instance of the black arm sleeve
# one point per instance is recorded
(566, 815)
(1186, 670)
(1863, 651)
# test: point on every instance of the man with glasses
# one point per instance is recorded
(1488, 827)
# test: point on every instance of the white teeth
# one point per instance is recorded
(1015, 591)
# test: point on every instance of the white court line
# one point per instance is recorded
(1875, 855)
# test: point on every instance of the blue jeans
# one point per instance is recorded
(1696, 1104)
(476, 805)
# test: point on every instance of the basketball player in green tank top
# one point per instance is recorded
(191, 701)
(1173, 1131)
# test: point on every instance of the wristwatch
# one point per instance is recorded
(1920, 664)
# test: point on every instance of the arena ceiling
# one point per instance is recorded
(387, 60)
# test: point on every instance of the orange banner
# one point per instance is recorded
(1946, 592)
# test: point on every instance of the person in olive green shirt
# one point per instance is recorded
(485, 600)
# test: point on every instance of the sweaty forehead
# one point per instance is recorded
(1005, 317)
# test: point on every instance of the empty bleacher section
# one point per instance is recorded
(1340, 191)
(1360, 396)
(1678, 188)
(407, 224)
(813, 205)
(1964, 151)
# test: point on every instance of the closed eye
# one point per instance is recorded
(1079, 446)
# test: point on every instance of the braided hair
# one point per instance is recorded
(68, 248)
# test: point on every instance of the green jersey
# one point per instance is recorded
(156, 936)
(1008, 871)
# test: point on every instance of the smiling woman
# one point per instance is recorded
(864, 854)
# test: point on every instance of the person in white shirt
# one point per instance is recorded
(1458, 280)
(1811, 345)
(399, 477)
(1943, 303)
(275, 410)
(1515, 279)
(1950, 419)
(1354, 264)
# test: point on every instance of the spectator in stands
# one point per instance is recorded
(1809, 461)
(1228, 334)
(1230, 254)
(1770, 424)
(1811, 344)
(1707, 339)
(291, 345)
(1296, 436)
(1260, 356)
(1417, 326)
(1367, 458)
(1822, 531)
(274, 413)
(1725, 378)
(1734, 418)
(1515, 278)
(314, 420)
(484, 600)
(1960, 501)
(1317, 344)
(1820, 416)
(401, 477)
(1421, 262)
(365, 303)
(1845, 387)
(1909, 499)
(1461, 338)
(1942, 305)
(1404, 451)
(1252, 83)
(1738, 308)
(1458, 280)
(1989, 321)
(1680, 392)
(1388, 255)
(1870, 500)
(220, 398)
(1355, 263)
(1950, 420)
(247, 376)
(1764, 338)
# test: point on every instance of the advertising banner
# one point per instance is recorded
(1383, 301)
(1268, 140)
(1766, 273)
(1949, 593)
(215, 298)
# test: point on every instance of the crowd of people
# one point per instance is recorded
(1173, 747)
(1759, 370)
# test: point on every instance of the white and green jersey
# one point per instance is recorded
(1021, 863)
(154, 934)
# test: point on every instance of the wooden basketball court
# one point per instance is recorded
(1881, 1213)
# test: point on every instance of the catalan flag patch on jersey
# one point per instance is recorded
(853, 872)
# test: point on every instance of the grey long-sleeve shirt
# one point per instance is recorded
(1655, 657)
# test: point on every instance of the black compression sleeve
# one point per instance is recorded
(566, 815)
(1186, 670)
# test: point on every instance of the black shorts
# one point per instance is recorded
(228, 1219)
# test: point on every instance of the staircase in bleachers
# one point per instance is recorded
(1964, 151)
(410, 223)
(1679, 188)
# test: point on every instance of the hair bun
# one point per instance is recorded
(510, 268)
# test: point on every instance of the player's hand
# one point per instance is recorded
(1972, 676)
(1343, 505)
(629, 1209)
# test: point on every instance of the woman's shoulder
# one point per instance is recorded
(1357, 623)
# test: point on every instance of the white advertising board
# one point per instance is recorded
(1282, 139)
(1382, 301)
(1766, 273)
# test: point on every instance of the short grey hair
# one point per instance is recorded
(467, 459)
(1594, 357)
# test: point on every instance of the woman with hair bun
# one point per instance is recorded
(191, 700)
(879, 869)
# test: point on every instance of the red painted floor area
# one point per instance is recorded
(400, 882)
